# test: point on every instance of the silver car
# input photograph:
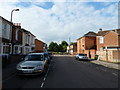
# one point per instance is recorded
(81, 56)
(33, 64)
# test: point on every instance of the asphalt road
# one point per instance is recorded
(66, 72)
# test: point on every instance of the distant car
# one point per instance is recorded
(81, 56)
(33, 64)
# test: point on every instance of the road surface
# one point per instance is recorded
(66, 72)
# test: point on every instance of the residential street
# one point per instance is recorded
(66, 72)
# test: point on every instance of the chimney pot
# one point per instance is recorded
(100, 29)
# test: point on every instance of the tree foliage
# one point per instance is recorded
(53, 46)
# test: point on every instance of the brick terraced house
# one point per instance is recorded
(108, 45)
(40, 46)
(87, 44)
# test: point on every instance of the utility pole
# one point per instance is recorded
(69, 41)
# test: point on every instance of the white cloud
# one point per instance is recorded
(72, 19)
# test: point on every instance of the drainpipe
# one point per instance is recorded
(106, 53)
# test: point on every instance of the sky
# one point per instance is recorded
(57, 20)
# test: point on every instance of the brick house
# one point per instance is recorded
(87, 44)
(108, 45)
(108, 38)
(5, 36)
(72, 48)
(40, 46)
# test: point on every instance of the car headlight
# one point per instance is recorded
(38, 67)
(80, 57)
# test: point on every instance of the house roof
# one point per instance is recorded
(103, 33)
(100, 33)
(40, 40)
(27, 31)
(89, 34)
(6, 20)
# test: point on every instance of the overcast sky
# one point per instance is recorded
(57, 20)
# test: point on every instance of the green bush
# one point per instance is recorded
(96, 57)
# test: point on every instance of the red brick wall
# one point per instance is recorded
(38, 45)
(85, 43)
(14, 34)
(89, 42)
(110, 39)
(119, 40)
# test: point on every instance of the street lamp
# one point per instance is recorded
(12, 13)
(11, 28)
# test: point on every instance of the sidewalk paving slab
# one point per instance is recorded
(9, 70)
(107, 64)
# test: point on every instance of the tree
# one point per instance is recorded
(64, 43)
(56, 48)
(60, 48)
(53, 46)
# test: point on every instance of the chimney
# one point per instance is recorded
(100, 29)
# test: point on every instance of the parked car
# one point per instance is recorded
(33, 64)
(81, 56)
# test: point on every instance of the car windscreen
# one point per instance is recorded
(34, 58)
(82, 55)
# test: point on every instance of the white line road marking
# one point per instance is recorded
(42, 84)
(114, 74)
(44, 78)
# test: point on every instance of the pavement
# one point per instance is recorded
(107, 64)
(8, 70)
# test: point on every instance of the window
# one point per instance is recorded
(17, 34)
(101, 39)
(16, 49)
(26, 38)
(6, 49)
(27, 50)
(4, 30)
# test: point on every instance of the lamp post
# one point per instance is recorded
(11, 29)
(12, 13)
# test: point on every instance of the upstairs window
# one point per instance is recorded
(4, 30)
(101, 39)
